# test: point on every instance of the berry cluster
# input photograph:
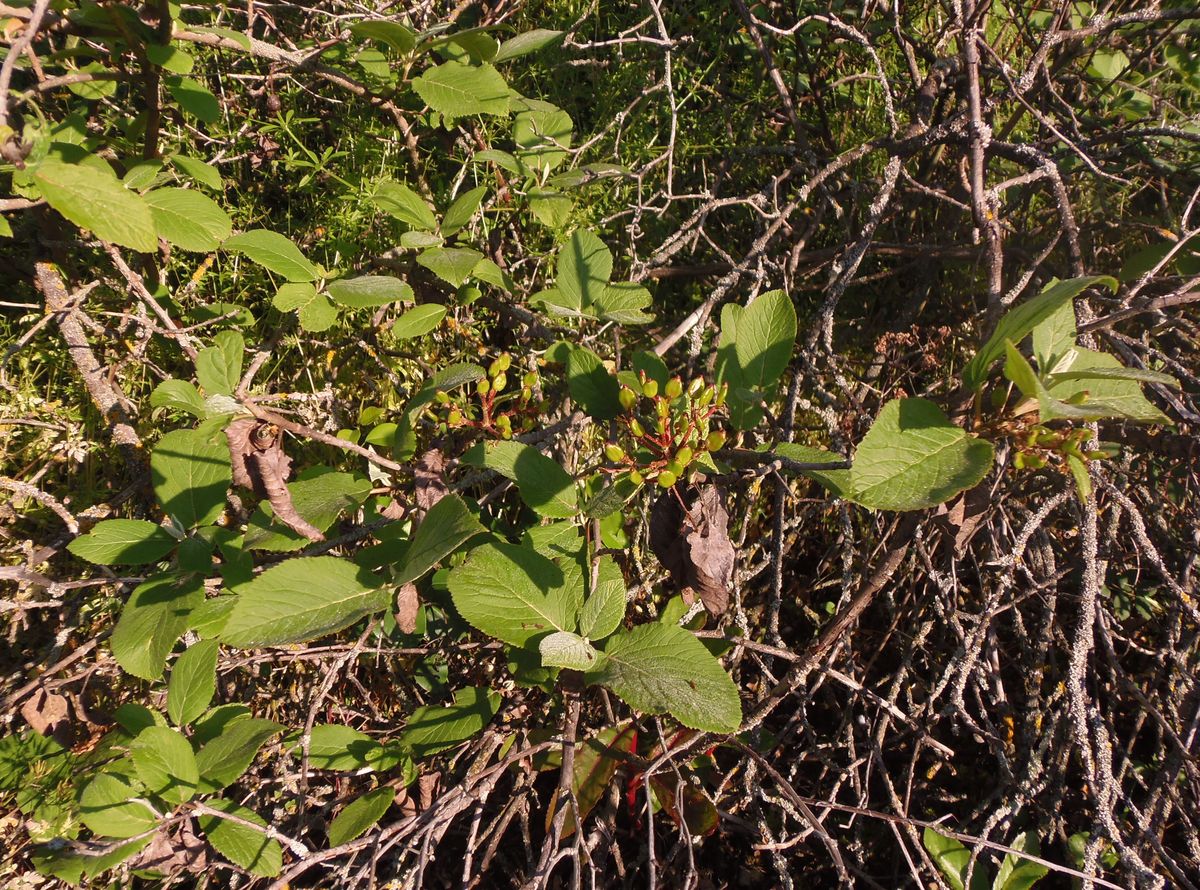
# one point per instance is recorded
(667, 428)
(499, 410)
(1043, 445)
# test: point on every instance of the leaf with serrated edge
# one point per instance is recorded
(190, 473)
(302, 599)
(92, 197)
(457, 90)
(510, 593)
(251, 849)
(605, 606)
(368, 291)
(275, 252)
(188, 219)
(359, 815)
(153, 621)
(913, 457)
(448, 524)
(662, 668)
(544, 485)
(193, 682)
(230, 752)
(131, 542)
(165, 763)
(567, 650)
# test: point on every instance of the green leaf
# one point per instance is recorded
(913, 457)
(1020, 321)
(369, 290)
(359, 815)
(623, 303)
(1079, 472)
(123, 542)
(105, 806)
(462, 210)
(952, 859)
(417, 322)
(611, 498)
(1017, 873)
(93, 198)
(564, 649)
(179, 395)
(448, 524)
(765, 336)
(152, 621)
(201, 172)
(1019, 371)
(391, 34)
(584, 268)
(320, 496)
(338, 747)
(300, 600)
(550, 207)
(1110, 391)
(604, 609)
(195, 98)
(1108, 66)
(596, 390)
(662, 668)
(1054, 337)
(165, 763)
(456, 90)
(836, 481)
(193, 682)
(315, 311)
(527, 42)
(544, 485)
(188, 219)
(274, 252)
(191, 475)
(431, 728)
(219, 367)
(451, 264)
(173, 59)
(252, 850)
(398, 200)
(232, 749)
(511, 593)
(543, 132)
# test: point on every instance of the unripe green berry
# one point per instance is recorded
(666, 479)
(454, 418)
(636, 428)
(636, 478)
(715, 440)
(684, 456)
(674, 388)
(650, 388)
(530, 379)
(441, 397)
(695, 387)
(504, 362)
(627, 397)
(483, 387)
(614, 453)
(500, 382)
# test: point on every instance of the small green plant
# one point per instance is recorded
(954, 862)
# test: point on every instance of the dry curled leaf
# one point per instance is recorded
(45, 711)
(693, 544)
(429, 479)
(407, 603)
(260, 464)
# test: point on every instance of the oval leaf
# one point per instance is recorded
(300, 600)
(188, 219)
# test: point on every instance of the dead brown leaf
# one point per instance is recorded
(407, 603)
(693, 544)
(259, 463)
(45, 711)
(429, 479)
